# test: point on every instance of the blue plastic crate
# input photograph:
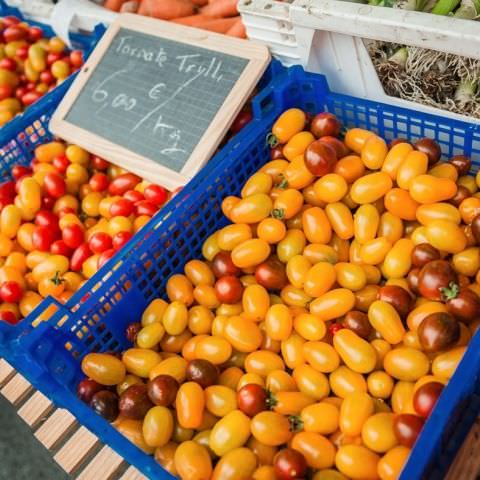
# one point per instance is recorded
(49, 355)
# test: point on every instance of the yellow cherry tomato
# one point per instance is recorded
(292, 351)
(380, 384)
(316, 225)
(333, 304)
(311, 382)
(278, 322)
(414, 164)
(321, 356)
(374, 152)
(175, 366)
(390, 227)
(216, 350)
(190, 405)
(263, 362)
(356, 352)
(297, 268)
(271, 230)
(139, 361)
(385, 319)
(297, 145)
(251, 209)
(237, 464)
(132, 429)
(244, 335)
(105, 369)
(341, 219)
(378, 433)
(256, 302)
(158, 426)
(250, 253)
(397, 261)
(259, 182)
(321, 417)
(370, 188)
(296, 174)
(355, 139)
(220, 400)
(331, 188)
(344, 381)
(319, 279)
(374, 251)
(430, 189)
(391, 464)
(309, 326)
(395, 158)
(399, 203)
(319, 452)
(192, 461)
(438, 211)
(350, 276)
(445, 364)
(357, 462)
(366, 221)
(406, 364)
(271, 428)
(288, 124)
(230, 432)
(355, 410)
(446, 235)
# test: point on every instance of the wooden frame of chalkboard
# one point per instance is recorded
(104, 126)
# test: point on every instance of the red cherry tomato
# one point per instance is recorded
(54, 185)
(79, 256)
(43, 237)
(407, 428)
(121, 207)
(99, 182)
(73, 235)
(19, 171)
(120, 239)
(10, 20)
(61, 163)
(320, 158)
(121, 184)
(5, 92)
(325, 124)
(30, 86)
(48, 202)
(46, 218)
(35, 34)
(22, 52)
(229, 289)
(7, 190)
(9, 317)
(252, 399)
(64, 211)
(52, 57)
(242, 119)
(271, 274)
(99, 163)
(334, 328)
(31, 97)
(99, 242)
(11, 292)
(19, 92)
(155, 194)
(47, 77)
(59, 247)
(8, 64)
(145, 208)
(76, 58)
(134, 196)
(105, 257)
(289, 464)
(426, 397)
(222, 265)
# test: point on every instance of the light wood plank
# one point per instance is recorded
(133, 474)
(73, 453)
(467, 462)
(17, 389)
(105, 464)
(35, 409)
(6, 371)
(58, 426)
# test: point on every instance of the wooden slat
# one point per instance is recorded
(73, 453)
(35, 409)
(467, 462)
(132, 474)
(16, 389)
(105, 464)
(6, 371)
(57, 427)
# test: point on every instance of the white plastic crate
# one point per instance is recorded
(327, 37)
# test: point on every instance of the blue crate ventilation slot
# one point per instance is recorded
(50, 354)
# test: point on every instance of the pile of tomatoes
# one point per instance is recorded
(317, 334)
(30, 65)
(61, 219)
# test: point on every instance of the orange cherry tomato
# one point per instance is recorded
(399, 203)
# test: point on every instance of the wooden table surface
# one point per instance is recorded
(82, 455)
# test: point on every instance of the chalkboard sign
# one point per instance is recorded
(157, 98)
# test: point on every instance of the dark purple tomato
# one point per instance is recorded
(438, 331)
(105, 403)
(465, 306)
(229, 289)
(424, 253)
(461, 163)
(276, 153)
(132, 331)
(135, 402)
(222, 265)
(462, 193)
(242, 119)
(412, 280)
(430, 148)
(357, 322)
(289, 464)
(397, 297)
(325, 124)
(426, 397)
(202, 372)
(320, 158)
(252, 399)
(87, 388)
(434, 277)
(407, 428)
(162, 390)
(340, 148)
(271, 274)
(396, 141)
(476, 228)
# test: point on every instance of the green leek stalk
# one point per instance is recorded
(444, 7)
(400, 57)
(465, 91)
(469, 9)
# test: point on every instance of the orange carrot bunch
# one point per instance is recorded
(219, 16)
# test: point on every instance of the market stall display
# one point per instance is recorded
(141, 275)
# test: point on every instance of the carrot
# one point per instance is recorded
(170, 9)
(192, 20)
(131, 6)
(237, 30)
(114, 5)
(218, 25)
(220, 9)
